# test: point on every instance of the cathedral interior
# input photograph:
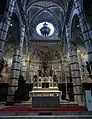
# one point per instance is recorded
(45, 51)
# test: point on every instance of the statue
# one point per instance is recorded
(3, 64)
(40, 73)
(45, 67)
(21, 80)
(88, 69)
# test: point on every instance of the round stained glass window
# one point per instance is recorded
(45, 29)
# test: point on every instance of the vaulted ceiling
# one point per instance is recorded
(53, 11)
(37, 11)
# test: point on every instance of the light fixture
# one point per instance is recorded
(49, 28)
(45, 30)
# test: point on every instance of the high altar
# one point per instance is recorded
(45, 86)
(46, 83)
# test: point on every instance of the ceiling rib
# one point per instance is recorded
(51, 6)
(44, 9)
(31, 4)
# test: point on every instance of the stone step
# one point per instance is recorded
(57, 114)
(47, 117)
(28, 108)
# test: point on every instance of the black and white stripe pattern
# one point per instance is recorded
(16, 66)
(75, 72)
(14, 76)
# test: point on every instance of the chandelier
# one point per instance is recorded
(45, 30)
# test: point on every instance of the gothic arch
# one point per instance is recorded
(15, 21)
(13, 36)
(76, 33)
(30, 4)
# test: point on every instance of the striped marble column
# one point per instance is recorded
(16, 66)
(23, 64)
(86, 29)
(4, 26)
(75, 72)
(13, 84)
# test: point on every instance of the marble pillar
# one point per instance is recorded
(13, 84)
(75, 72)
(4, 26)
(16, 66)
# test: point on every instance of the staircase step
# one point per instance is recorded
(72, 116)
(25, 108)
